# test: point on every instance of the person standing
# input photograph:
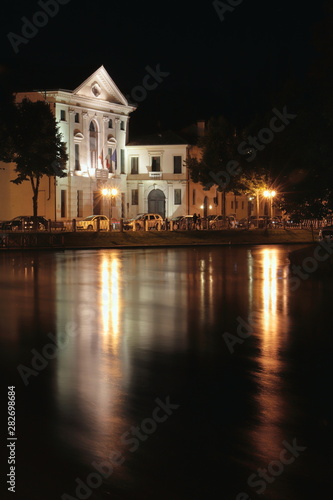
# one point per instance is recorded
(199, 221)
(194, 218)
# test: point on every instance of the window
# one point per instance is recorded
(236, 205)
(156, 164)
(77, 118)
(122, 125)
(79, 200)
(110, 124)
(122, 161)
(77, 157)
(63, 209)
(177, 164)
(177, 196)
(63, 115)
(232, 205)
(93, 144)
(135, 197)
(134, 165)
(242, 205)
(193, 196)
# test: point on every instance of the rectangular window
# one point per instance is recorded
(122, 161)
(62, 115)
(232, 205)
(177, 196)
(77, 157)
(135, 197)
(134, 165)
(156, 164)
(217, 198)
(79, 199)
(236, 205)
(109, 160)
(63, 201)
(193, 197)
(77, 118)
(110, 124)
(122, 125)
(177, 164)
(242, 205)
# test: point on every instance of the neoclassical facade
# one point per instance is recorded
(147, 175)
(93, 120)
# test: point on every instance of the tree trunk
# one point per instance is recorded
(35, 188)
(258, 209)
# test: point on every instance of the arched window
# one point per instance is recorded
(93, 144)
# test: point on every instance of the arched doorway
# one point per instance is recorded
(156, 202)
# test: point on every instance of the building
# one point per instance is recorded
(93, 120)
(108, 175)
(157, 177)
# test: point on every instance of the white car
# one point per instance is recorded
(140, 221)
(90, 223)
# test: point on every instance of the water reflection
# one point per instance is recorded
(134, 325)
(270, 302)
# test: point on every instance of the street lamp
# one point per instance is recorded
(269, 193)
(110, 193)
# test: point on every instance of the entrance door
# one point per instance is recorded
(156, 202)
(97, 203)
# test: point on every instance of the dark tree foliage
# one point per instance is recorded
(30, 138)
(218, 164)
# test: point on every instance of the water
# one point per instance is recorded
(192, 373)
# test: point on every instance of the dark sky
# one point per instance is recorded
(213, 66)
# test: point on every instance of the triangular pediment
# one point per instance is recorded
(100, 86)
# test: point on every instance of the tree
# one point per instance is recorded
(228, 162)
(33, 142)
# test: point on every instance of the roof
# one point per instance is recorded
(161, 138)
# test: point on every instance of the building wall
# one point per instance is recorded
(16, 199)
(146, 181)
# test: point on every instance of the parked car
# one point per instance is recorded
(276, 221)
(326, 233)
(260, 222)
(222, 222)
(243, 223)
(90, 223)
(24, 223)
(183, 222)
(139, 222)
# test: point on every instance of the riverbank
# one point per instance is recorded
(135, 239)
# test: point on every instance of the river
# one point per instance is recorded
(170, 374)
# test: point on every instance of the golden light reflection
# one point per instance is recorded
(110, 298)
(270, 300)
(269, 292)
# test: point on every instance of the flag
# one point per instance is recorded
(108, 163)
(101, 158)
(114, 158)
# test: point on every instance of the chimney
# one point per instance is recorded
(201, 128)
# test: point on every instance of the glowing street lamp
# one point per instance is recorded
(111, 193)
(270, 193)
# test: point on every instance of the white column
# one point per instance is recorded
(169, 201)
(140, 195)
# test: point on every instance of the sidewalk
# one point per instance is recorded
(135, 239)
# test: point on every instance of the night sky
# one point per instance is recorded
(213, 66)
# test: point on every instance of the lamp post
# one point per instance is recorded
(110, 193)
(269, 193)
